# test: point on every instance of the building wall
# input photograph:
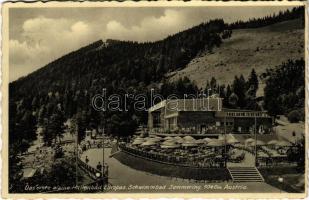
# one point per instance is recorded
(187, 119)
(247, 124)
(207, 122)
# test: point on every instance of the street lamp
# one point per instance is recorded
(98, 174)
(255, 141)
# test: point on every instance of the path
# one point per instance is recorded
(126, 179)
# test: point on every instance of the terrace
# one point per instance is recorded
(210, 152)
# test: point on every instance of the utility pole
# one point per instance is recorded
(225, 153)
(103, 162)
(103, 143)
(208, 98)
(76, 156)
(255, 139)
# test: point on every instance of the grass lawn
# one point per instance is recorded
(293, 180)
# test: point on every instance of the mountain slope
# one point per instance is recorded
(122, 63)
(258, 48)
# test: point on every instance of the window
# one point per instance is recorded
(239, 128)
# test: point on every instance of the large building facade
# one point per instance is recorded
(205, 117)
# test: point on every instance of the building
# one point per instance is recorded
(205, 117)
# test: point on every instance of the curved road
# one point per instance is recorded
(126, 179)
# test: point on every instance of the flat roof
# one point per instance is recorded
(157, 106)
(201, 104)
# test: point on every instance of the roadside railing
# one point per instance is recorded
(92, 172)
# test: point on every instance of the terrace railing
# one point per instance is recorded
(205, 161)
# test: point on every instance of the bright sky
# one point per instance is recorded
(41, 35)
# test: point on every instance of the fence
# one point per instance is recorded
(92, 172)
(207, 161)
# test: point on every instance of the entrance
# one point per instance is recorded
(239, 157)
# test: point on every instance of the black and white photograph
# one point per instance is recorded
(155, 99)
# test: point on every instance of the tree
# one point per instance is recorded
(283, 91)
(233, 100)
(15, 170)
(296, 153)
(53, 127)
(294, 116)
(228, 93)
(253, 83)
(239, 90)
(82, 123)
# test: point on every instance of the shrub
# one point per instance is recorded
(294, 116)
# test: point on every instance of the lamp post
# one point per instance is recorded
(255, 140)
(225, 153)
(76, 156)
(208, 97)
(103, 168)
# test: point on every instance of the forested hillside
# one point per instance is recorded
(247, 49)
(63, 89)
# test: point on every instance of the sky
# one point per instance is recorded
(38, 36)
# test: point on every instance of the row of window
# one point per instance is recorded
(222, 123)
(246, 114)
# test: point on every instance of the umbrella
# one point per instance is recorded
(153, 139)
(168, 138)
(258, 143)
(232, 141)
(141, 139)
(215, 143)
(178, 138)
(159, 138)
(170, 146)
(168, 142)
(188, 138)
(221, 137)
(272, 142)
(229, 136)
(238, 145)
(201, 141)
(208, 139)
(249, 140)
(283, 143)
(148, 143)
(180, 141)
(189, 144)
(137, 142)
